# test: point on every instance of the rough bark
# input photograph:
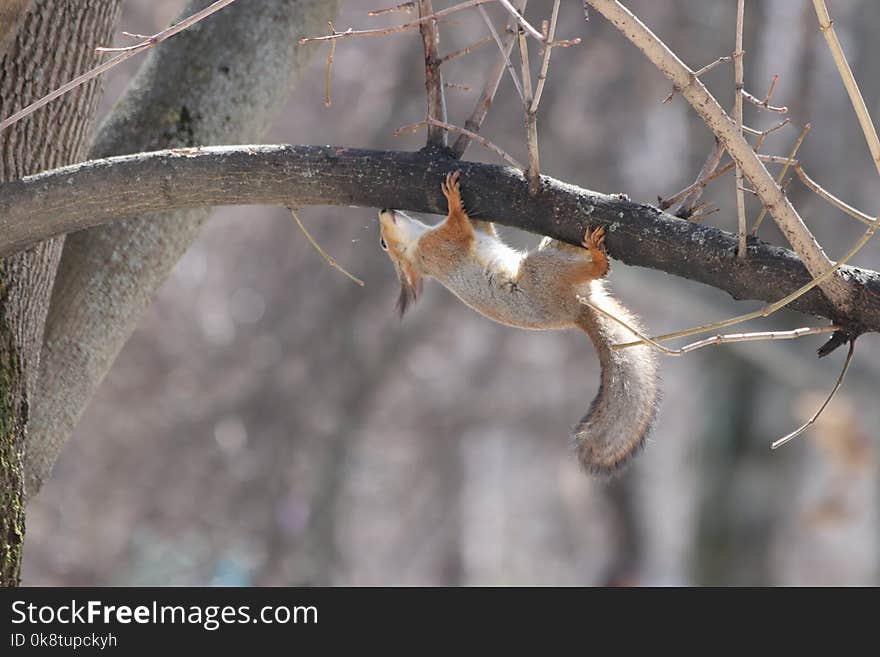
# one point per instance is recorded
(223, 80)
(52, 41)
(101, 191)
(11, 12)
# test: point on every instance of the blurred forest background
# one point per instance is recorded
(270, 423)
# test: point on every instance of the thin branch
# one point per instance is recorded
(781, 175)
(738, 117)
(773, 307)
(715, 339)
(436, 101)
(523, 23)
(700, 71)
(321, 251)
(740, 337)
(672, 203)
(403, 6)
(820, 191)
(505, 51)
(849, 81)
(466, 50)
(533, 173)
(475, 121)
(332, 51)
(466, 133)
(124, 54)
(762, 134)
(714, 116)
(754, 100)
(797, 432)
(545, 62)
(394, 29)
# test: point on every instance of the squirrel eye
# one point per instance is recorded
(383, 244)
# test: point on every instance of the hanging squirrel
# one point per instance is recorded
(536, 290)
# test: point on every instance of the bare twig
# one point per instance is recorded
(781, 175)
(772, 88)
(773, 307)
(762, 134)
(330, 54)
(715, 339)
(738, 337)
(523, 23)
(319, 249)
(687, 198)
(471, 136)
(545, 62)
(475, 121)
(505, 51)
(436, 101)
(702, 211)
(849, 81)
(797, 432)
(738, 117)
(700, 71)
(714, 116)
(764, 104)
(124, 53)
(819, 190)
(682, 203)
(466, 50)
(531, 120)
(394, 29)
(403, 6)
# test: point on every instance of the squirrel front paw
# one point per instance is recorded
(452, 191)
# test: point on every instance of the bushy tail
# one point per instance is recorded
(622, 414)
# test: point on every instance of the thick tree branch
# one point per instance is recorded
(98, 192)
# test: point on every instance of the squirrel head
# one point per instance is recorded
(399, 238)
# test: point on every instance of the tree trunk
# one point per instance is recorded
(52, 43)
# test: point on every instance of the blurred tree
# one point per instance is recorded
(181, 98)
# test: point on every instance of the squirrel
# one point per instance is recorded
(536, 290)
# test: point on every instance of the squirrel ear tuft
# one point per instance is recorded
(410, 289)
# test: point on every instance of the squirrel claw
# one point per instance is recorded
(450, 186)
(452, 190)
(594, 239)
